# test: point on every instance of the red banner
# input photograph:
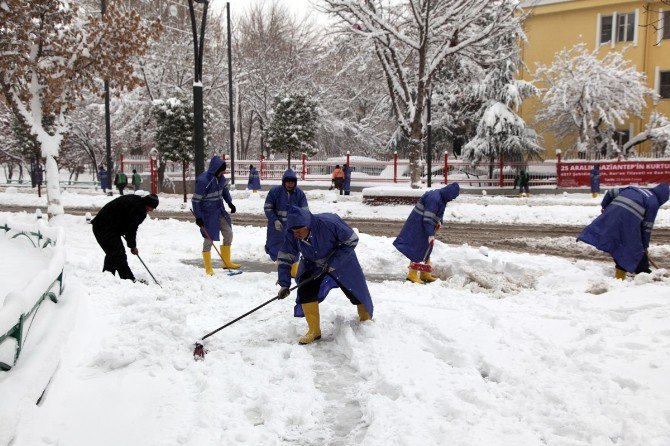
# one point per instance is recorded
(616, 173)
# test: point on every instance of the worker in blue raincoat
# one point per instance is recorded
(326, 244)
(347, 179)
(254, 183)
(594, 179)
(418, 232)
(277, 203)
(211, 190)
(623, 229)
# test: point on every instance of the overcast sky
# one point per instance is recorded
(299, 7)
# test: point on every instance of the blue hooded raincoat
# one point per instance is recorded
(210, 193)
(331, 242)
(428, 212)
(277, 204)
(347, 177)
(624, 228)
(594, 178)
(254, 179)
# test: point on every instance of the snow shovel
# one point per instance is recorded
(422, 265)
(145, 266)
(209, 237)
(199, 351)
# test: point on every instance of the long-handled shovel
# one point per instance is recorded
(423, 266)
(199, 351)
(145, 266)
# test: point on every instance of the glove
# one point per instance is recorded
(278, 225)
(134, 251)
(283, 292)
(232, 208)
(200, 222)
(437, 227)
(431, 239)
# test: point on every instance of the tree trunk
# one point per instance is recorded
(184, 166)
(415, 149)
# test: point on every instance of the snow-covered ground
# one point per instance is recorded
(506, 349)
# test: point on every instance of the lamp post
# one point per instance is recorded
(230, 98)
(198, 119)
(429, 149)
(108, 124)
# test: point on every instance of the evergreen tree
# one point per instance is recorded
(293, 125)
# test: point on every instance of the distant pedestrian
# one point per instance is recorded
(522, 181)
(120, 181)
(594, 178)
(254, 182)
(338, 178)
(104, 179)
(120, 218)
(623, 229)
(347, 179)
(136, 180)
(418, 233)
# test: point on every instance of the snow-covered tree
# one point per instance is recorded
(657, 130)
(174, 131)
(500, 130)
(413, 39)
(51, 53)
(586, 98)
(293, 125)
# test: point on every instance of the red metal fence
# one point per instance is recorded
(364, 171)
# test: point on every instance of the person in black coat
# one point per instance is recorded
(121, 217)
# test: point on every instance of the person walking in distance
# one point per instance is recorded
(120, 181)
(136, 180)
(594, 180)
(277, 203)
(254, 183)
(522, 181)
(326, 245)
(121, 218)
(623, 228)
(211, 191)
(338, 178)
(417, 235)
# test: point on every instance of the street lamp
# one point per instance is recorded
(198, 120)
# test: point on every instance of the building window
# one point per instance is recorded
(664, 85)
(625, 27)
(621, 137)
(606, 28)
(666, 25)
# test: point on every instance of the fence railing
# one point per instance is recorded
(20, 304)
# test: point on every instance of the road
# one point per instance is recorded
(534, 239)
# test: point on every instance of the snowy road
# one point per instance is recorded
(556, 240)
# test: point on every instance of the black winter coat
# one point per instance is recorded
(121, 217)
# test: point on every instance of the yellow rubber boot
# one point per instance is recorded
(594, 194)
(311, 311)
(413, 276)
(294, 270)
(426, 276)
(363, 314)
(225, 256)
(207, 261)
(619, 274)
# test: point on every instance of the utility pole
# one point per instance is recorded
(429, 149)
(108, 124)
(230, 98)
(198, 108)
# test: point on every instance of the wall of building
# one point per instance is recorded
(556, 25)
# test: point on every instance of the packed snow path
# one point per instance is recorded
(506, 349)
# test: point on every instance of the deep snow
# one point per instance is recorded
(506, 349)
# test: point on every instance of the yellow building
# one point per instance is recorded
(611, 25)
